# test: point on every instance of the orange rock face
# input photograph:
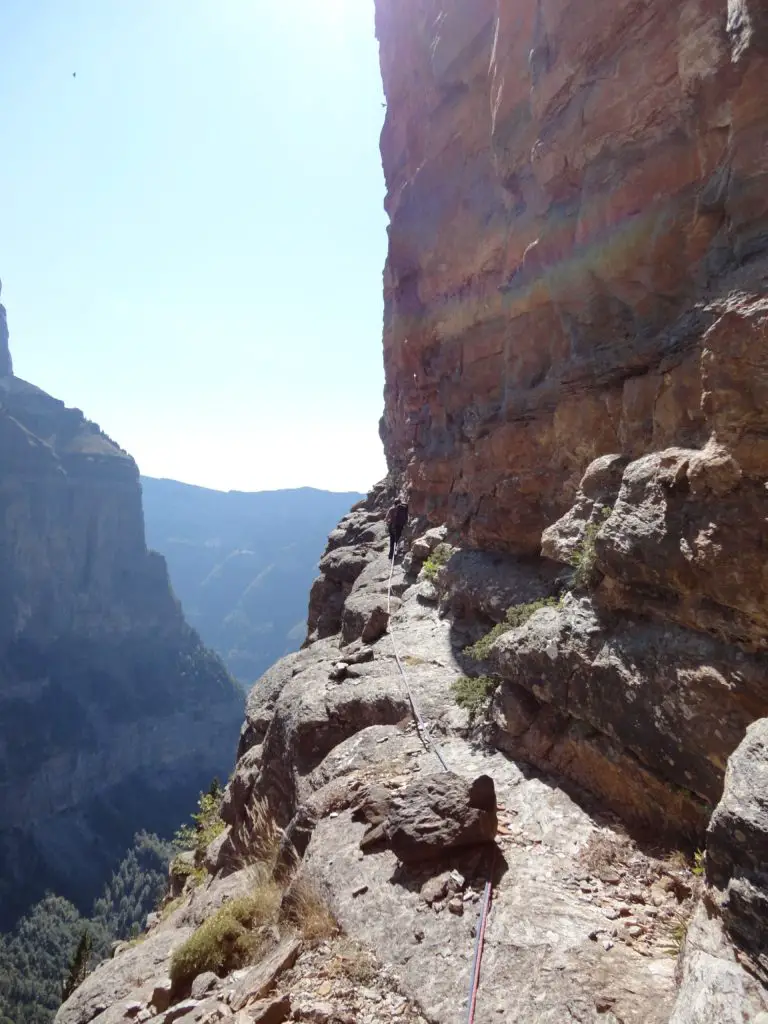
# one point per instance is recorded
(575, 191)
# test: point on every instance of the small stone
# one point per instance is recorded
(435, 888)
(611, 913)
(624, 910)
(594, 935)
(635, 931)
(161, 995)
(180, 1010)
(610, 876)
(333, 814)
(132, 1009)
(144, 1015)
(359, 891)
(203, 984)
(456, 906)
(607, 944)
(325, 989)
(419, 934)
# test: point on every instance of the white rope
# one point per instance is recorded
(421, 725)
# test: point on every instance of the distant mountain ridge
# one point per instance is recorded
(242, 563)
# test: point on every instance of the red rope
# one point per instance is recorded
(479, 945)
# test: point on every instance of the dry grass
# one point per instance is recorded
(678, 860)
(601, 854)
(264, 836)
(305, 909)
(354, 963)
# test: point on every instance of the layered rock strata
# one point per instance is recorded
(575, 199)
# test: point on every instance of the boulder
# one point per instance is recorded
(423, 546)
(737, 843)
(203, 984)
(270, 1011)
(161, 995)
(376, 626)
(182, 1009)
(260, 979)
(437, 814)
(365, 616)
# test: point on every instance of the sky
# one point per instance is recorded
(192, 232)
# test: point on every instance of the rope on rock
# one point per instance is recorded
(421, 725)
(431, 746)
(474, 984)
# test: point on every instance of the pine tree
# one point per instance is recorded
(79, 967)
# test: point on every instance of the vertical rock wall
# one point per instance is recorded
(574, 193)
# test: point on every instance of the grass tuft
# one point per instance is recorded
(516, 616)
(437, 561)
(228, 939)
(584, 560)
(354, 963)
(473, 692)
(308, 912)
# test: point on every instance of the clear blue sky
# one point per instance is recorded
(192, 233)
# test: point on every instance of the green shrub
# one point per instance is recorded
(473, 692)
(584, 559)
(229, 938)
(699, 862)
(206, 823)
(516, 616)
(182, 870)
(437, 561)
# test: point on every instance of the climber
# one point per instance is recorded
(397, 518)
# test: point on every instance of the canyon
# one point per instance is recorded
(576, 361)
(113, 715)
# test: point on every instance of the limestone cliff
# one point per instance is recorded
(112, 714)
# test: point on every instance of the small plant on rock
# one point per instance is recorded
(229, 939)
(516, 616)
(584, 559)
(473, 693)
(699, 863)
(355, 963)
(305, 909)
(206, 823)
(437, 561)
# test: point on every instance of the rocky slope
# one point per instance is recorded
(241, 564)
(112, 714)
(576, 350)
(587, 923)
